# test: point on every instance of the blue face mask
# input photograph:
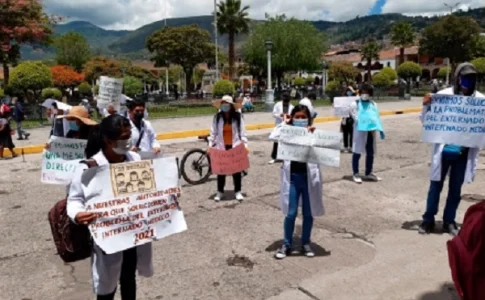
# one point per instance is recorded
(73, 126)
(300, 122)
(349, 93)
(225, 107)
(467, 82)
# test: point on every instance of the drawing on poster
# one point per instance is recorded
(130, 178)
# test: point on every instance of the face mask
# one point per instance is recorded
(138, 117)
(73, 126)
(300, 122)
(364, 97)
(225, 107)
(349, 93)
(122, 147)
(467, 82)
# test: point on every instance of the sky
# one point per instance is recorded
(132, 14)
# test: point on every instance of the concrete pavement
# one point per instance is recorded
(367, 245)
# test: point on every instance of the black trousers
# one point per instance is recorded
(348, 132)
(274, 153)
(127, 277)
(221, 180)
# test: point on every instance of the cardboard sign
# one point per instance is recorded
(110, 90)
(341, 106)
(61, 160)
(320, 147)
(228, 162)
(457, 120)
(136, 203)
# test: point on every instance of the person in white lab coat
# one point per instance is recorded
(280, 110)
(363, 141)
(460, 162)
(299, 181)
(143, 135)
(227, 132)
(109, 143)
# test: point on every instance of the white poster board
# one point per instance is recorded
(61, 160)
(341, 106)
(110, 90)
(136, 203)
(457, 120)
(320, 147)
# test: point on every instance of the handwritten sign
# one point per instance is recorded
(110, 90)
(341, 106)
(228, 162)
(132, 217)
(61, 160)
(320, 147)
(457, 120)
(369, 118)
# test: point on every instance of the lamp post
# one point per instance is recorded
(447, 72)
(269, 102)
(324, 77)
(167, 92)
(216, 40)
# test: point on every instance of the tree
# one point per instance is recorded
(370, 51)
(101, 66)
(309, 80)
(409, 70)
(297, 45)
(21, 22)
(132, 86)
(197, 76)
(479, 47)
(143, 74)
(65, 77)
(451, 37)
(479, 64)
(72, 49)
(223, 87)
(299, 81)
(402, 36)
(232, 19)
(84, 88)
(186, 46)
(31, 76)
(381, 80)
(390, 72)
(52, 93)
(443, 72)
(342, 71)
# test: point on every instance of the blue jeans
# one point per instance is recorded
(369, 159)
(457, 170)
(298, 188)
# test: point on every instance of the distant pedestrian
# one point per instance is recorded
(57, 128)
(6, 137)
(347, 124)
(280, 110)
(19, 117)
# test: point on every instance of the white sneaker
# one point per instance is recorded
(218, 197)
(372, 177)
(239, 196)
(357, 179)
(271, 162)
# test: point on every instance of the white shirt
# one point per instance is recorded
(278, 110)
(149, 138)
(308, 103)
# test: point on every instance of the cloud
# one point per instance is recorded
(427, 8)
(131, 14)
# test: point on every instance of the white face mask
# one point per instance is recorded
(364, 97)
(122, 147)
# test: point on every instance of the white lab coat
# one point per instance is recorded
(149, 139)
(472, 161)
(314, 176)
(105, 268)
(216, 138)
(278, 110)
(360, 137)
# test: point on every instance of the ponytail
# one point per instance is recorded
(95, 142)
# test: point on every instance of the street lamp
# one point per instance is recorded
(269, 102)
(216, 40)
(324, 76)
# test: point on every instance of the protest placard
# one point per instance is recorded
(228, 162)
(133, 217)
(341, 106)
(110, 90)
(61, 160)
(320, 147)
(457, 120)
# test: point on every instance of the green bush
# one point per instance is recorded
(442, 72)
(309, 80)
(223, 87)
(381, 80)
(2, 93)
(332, 87)
(390, 72)
(51, 93)
(84, 88)
(299, 81)
(479, 64)
(132, 86)
(409, 70)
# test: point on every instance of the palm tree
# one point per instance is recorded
(369, 52)
(402, 36)
(232, 20)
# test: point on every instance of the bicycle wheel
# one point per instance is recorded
(195, 166)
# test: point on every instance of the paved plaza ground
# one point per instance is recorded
(367, 245)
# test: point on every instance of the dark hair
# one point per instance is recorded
(53, 104)
(136, 103)
(285, 97)
(299, 108)
(367, 87)
(233, 116)
(312, 96)
(120, 174)
(110, 128)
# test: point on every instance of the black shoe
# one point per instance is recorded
(20, 139)
(451, 228)
(27, 136)
(426, 227)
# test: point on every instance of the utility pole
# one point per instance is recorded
(216, 40)
(166, 70)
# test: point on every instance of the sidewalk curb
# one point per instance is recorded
(195, 133)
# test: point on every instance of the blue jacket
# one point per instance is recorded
(19, 114)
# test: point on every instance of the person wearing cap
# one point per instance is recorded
(228, 132)
(307, 101)
(458, 161)
(143, 135)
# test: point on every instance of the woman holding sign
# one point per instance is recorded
(228, 132)
(367, 122)
(299, 180)
(109, 144)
